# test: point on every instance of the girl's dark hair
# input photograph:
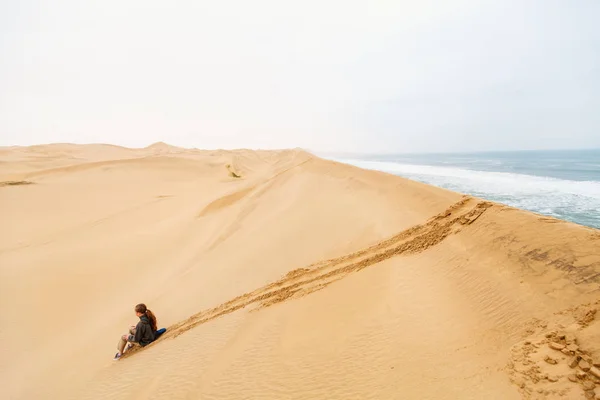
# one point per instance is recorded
(142, 309)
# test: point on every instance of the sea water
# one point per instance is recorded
(562, 184)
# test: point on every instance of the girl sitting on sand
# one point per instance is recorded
(142, 334)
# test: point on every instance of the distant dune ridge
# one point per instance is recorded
(280, 275)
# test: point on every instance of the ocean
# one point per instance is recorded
(562, 184)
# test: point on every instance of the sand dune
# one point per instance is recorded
(282, 276)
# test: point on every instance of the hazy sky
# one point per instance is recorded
(368, 76)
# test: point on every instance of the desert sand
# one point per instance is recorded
(280, 275)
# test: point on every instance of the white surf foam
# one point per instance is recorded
(577, 201)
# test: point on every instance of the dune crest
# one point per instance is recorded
(282, 275)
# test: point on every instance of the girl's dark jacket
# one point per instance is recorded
(144, 334)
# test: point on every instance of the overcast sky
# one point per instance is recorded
(368, 76)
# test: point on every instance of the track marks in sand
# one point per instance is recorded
(303, 281)
(553, 363)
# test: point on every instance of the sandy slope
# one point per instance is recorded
(301, 279)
